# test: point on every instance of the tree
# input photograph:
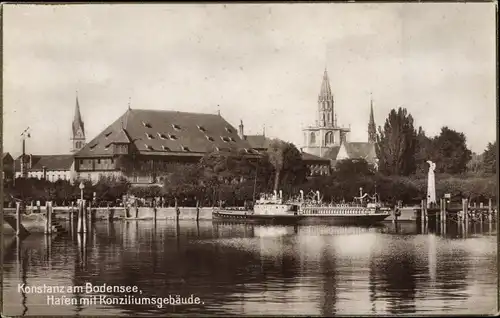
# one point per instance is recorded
(490, 158)
(349, 168)
(424, 151)
(450, 152)
(289, 168)
(396, 144)
(110, 188)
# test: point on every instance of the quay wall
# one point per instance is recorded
(117, 213)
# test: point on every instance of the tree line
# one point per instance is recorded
(235, 177)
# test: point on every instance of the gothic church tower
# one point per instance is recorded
(325, 135)
(78, 130)
(372, 130)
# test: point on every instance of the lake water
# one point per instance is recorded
(252, 270)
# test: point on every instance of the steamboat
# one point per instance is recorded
(365, 210)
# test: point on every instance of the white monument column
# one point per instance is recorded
(431, 184)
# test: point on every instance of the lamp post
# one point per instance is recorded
(25, 134)
(82, 186)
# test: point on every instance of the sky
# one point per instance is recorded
(260, 63)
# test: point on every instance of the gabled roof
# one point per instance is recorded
(258, 141)
(162, 132)
(50, 162)
(331, 153)
(6, 155)
(361, 150)
(309, 157)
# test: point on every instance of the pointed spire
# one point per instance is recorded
(77, 120)
(372, 130)
(264, 130)
(129, 99)
(326, 91)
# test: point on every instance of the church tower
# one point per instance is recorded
(372, 130)
(325, 135)
(78, 129)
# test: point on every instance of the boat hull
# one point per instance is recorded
(249, 217)
(363, 219)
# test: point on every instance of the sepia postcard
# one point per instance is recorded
(249, 159)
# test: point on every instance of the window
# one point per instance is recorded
(106, 147)
(112, 160)
(150, 136)
(148, 147)
(201, 128)
(232, 139)
(312, 138)
(329, 138)
(172, 137)
(162, 136)
(209, 138)
(165, 148)
(147, 125)
(229, 130)
(176, 127)
(217, 149)
(107, 134)
(93, 146)
(184, 148)
(225, 139)
(98, 161)
(82, 161)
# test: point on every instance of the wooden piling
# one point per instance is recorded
(18, 218)
(177, 210)
(48, 226)
(79, 218)
(84, 216)
(32, 209)
(136, 210)
(110, 214)
(422, 213)
(444, 211)
(197, 210)
(490, 210)
(155, 210)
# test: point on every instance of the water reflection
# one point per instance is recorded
(248, 269)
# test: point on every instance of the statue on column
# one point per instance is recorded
(431, 184)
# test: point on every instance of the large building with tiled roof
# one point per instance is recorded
(151, 140)
(326, 139)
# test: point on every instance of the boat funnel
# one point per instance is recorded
(281, 194)
(317, 195)
(301, 195)
(275, 194)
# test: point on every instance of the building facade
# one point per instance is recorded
(326, 139)
(260, 143)
(7, 168)
(143, 145)
(47, 167)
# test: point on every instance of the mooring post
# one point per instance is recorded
(155, 210)
(47, 224)
(490, 210)
(177, 210)
(422, 213)
(32, 209)
(51, 212)
(85, 216)
(445, 203)
(110, 213)
(79, 217)
(136, 210)
(197, 210)
(18, 218)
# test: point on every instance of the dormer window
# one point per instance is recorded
(147, 125)
(107, 146)
(248, 150)
(149, 147)
(225, 139)
(217, 149)
(229, 130)
(201, 128)
(162, 136)
(176, 127)
(172, 137)
(107, 134)
(232, 139)
(150, 136)
(184, 148)
(93, 146)
(165, 148)
(209, 138)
